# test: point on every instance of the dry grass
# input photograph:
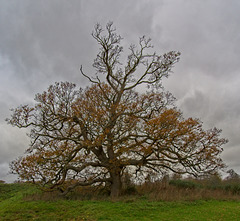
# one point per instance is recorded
(79, 193)
(166, 192)
(154, 191)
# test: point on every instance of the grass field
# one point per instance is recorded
(15, 204)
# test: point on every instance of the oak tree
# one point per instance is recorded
(123, 122)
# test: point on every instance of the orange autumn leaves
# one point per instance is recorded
(185, 138)
(75, 127)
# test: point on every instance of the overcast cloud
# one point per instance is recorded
(45, 41)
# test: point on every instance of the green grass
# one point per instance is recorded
(14, 206)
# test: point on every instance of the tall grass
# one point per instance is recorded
(162, 190)
(191, 189)
(173, 190)
(182, 192)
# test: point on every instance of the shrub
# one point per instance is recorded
(233, 188)
(184, 184)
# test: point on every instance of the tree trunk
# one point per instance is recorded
(116, 185)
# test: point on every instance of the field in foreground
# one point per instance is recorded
(15, 205)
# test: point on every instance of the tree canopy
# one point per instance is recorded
(124, 121)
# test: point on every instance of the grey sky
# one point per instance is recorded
(45, 41)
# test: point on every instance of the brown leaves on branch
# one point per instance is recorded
(91, 136)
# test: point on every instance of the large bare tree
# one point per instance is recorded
(124, 121)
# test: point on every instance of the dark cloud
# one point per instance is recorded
(46, 41)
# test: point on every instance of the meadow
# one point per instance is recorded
(179, 200)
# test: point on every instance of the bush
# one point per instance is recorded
(184, 184)
(233, 188)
